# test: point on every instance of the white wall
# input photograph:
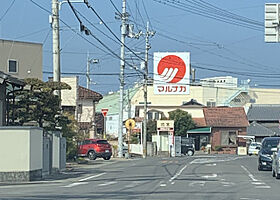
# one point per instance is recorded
(87, 111)
(36, 149)
(69, 97)
(20, 149)
(112, 124)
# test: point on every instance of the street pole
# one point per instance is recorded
(122, 65)
(56, 46)
(146, 74)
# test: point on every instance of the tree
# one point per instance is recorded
(182, 122)
(151, 129)
(37, 103)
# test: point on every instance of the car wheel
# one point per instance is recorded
(91, 155)
(250, 154)
(190, 153)
(107, 158)
(273, 173)
(260, 168)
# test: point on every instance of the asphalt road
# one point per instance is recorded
(199, 177)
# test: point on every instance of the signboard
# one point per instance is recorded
(165, 125)
(104, 111)
(130, 124)
(272, 22)
(171, 72)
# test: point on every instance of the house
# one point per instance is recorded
(226, 124)
(21, 59)
(81, 102)
(111, 102)
(264, 120)
(8, 84)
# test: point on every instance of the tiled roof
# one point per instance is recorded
(264, 112)
(256, 129)
(85, 93)
(200, 122)
(225, 117)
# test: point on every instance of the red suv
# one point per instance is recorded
(95, 148)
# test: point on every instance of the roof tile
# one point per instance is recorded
(225, 117)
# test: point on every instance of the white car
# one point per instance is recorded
(254, 148)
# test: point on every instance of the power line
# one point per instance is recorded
(196, 10)
(5, 13)
(94, 11)
(103, 44)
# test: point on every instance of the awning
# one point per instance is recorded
(200, 130)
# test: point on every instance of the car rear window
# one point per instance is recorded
(102, 142)
(270, 143)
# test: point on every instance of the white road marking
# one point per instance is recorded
(162, 185)
(75, 184)
(249, 174)
(210, 165)
(178, 174)
(108, 183)
(258, 183)
(263, 187)
(210, 176)
(199, 183)
(228, 183)
(95, 176)
(172, 183)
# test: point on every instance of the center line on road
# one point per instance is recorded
(249, 174)
(95, 176)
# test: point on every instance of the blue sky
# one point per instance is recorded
(217, 48)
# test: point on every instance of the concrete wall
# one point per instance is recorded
(21, 153)
(28, 56)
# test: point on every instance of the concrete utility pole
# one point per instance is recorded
(56, 44)
(147, 34)
(123, 34)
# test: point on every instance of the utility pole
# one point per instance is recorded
(56, 44)
(146, 75)
(122, 65)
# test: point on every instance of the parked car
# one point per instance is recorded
(95, 148)
(254, 148)
(187, 146)
(275, 162)
(265, 153)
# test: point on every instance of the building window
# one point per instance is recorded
(157, 116)
(12, 66)
(211, 104)
(228, 138)
(80, 109)
(150, 115)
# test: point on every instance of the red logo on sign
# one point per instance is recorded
(104, 111)
(171, 69)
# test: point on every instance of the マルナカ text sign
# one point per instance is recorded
(104, 111)
(171, 72)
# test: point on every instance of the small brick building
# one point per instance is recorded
(226, 124)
